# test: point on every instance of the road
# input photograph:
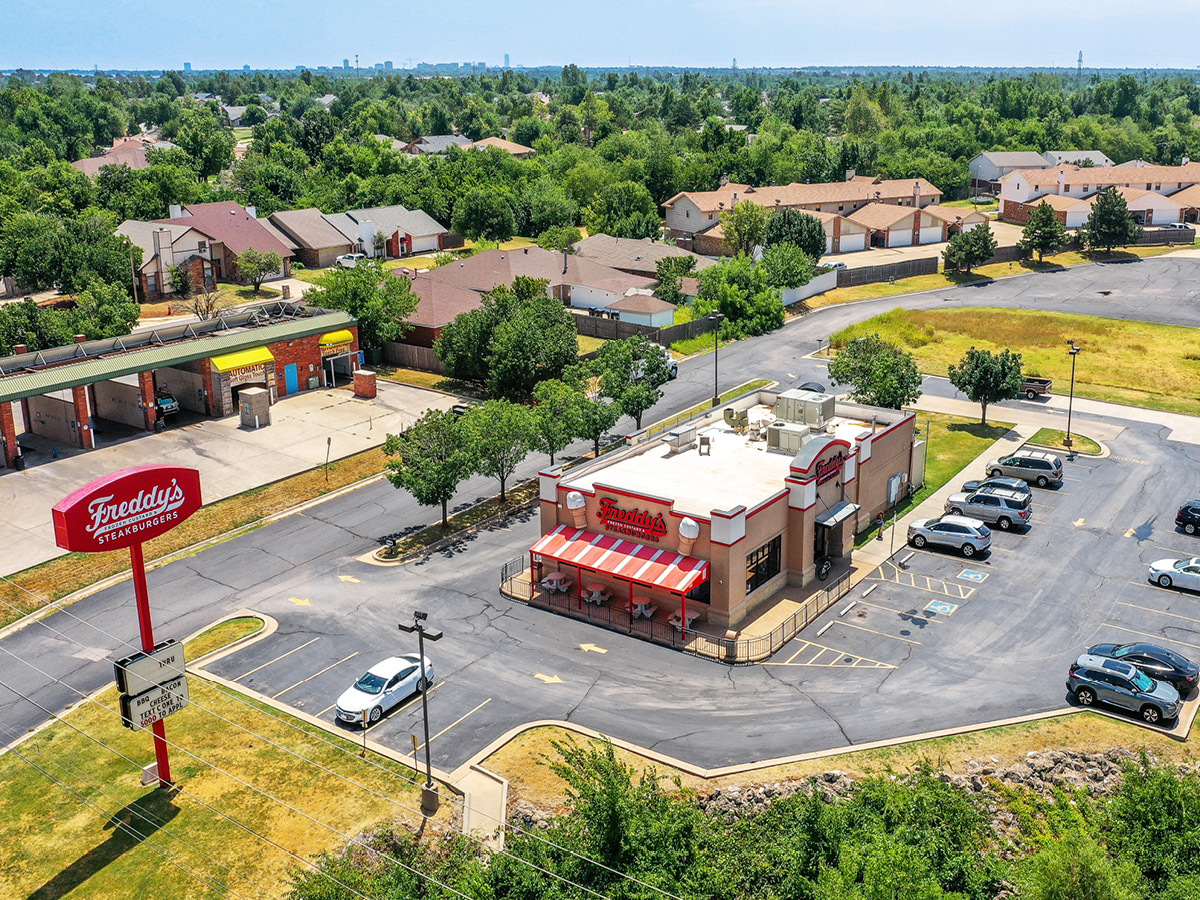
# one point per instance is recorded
(1005, 655)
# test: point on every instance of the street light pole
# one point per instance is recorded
(716, 319)
(1074, 351)
(429, 792)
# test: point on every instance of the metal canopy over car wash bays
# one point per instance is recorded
(60, 397)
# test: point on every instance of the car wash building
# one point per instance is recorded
(74, 396)
(702, 525)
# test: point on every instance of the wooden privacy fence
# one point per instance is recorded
(615, 616)
(613, 329)
(908, 268)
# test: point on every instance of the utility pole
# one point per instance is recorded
(1067, 442)
(356, 75)
(429, 792)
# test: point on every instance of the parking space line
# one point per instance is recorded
(932, 585)
(880, 633)
(314, 675)
(1157, 637)
(866, 661)
(904, 612)
(457, 721)
(1178, 553)
(326, 709)
(275, 660)
(1161, 612)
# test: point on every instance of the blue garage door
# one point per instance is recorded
(291, 379)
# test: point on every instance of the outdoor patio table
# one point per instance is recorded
(555, 581)
(596, 593)
(677, 621)
(643, 607)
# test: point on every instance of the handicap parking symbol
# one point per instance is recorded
(973, 576)
(941, 607)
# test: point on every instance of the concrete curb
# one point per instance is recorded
(373, 558)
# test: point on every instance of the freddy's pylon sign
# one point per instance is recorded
(126, 509)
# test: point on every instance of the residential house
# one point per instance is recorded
(637, 256)
(641, 307)
(955, 219)
(232, 229)
(520, 151)
(988, 168)
(578, 282)
(842, 235)
(282, 236)
(1076, 158)
(1022, 190)
(318, 243)
(233, 115)
(1189, 203)
(163, 247)
(394, 143)
(896, 226)
(436, 143)
(438, 304)
(406, 231)
(132, 152)
(326, 100)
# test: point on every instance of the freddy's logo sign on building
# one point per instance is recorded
(636, 522)
(829, 468)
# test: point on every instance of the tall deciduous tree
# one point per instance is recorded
(256, 265)
(745, 226)
(794, 226)
(484, 213)
(594, 416)
(624, 209)
(631, 371)
(1043, 233)
(432, 457)
(380, 301)
(555, 416)
(1110, 223)
(987, 377)
(969, 249)
(671, 270)
(787, 266)
(205, 140)
(104, 310)
(538, 341)
(879, 373)
(500, 434)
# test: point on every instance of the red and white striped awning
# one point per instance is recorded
(610, 555)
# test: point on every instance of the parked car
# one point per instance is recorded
(1002, 483)
(1094, 679)
(1177, 226)
(835, 265)
(1033, 387)
(1181, 573)
(970, 536)
(166, 402)
(1188, 517)
(1159, 663)
(1000, 507)
(668, 361)
(383, 686)
(1036, 466)
(350, 260)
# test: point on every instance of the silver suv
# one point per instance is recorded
(1095, 679)
(1036, 466)
(967, 535)
(996, 505)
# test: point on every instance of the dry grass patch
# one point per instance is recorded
(222, 635)
(432, 380)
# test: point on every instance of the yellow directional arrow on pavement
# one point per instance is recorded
(349, 578)
(1129, 533)
(591, 648)
(299, 602)
(549, 679)
(1078, 523)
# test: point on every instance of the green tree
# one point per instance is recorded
(969, 249)
(465, 345)
(745, 226)
(741, 291)
(19, 324)
(555, 416)
(500, 434)
(484, 213)
(379, 301)
(103, 311)
(1110, 223)
(794, 226)
(631, 372)
(1043, 233)
(1076, 867)
(624, 209)
(987, 377)
(863, 117)
(205, 140)
(255, 265)
(432, 457)
(787, 266)
(671, 270)
(879, 373)
(559, 239)
(538, 341)
(181, 279)
(594, 416)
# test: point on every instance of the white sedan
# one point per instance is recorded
(1181, 573)
(383, 686)
(350, 260)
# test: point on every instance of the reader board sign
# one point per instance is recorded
(143, 710)
(126, 508)
(142, 671)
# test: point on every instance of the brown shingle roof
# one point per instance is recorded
(878, 216)
(230, 224)
(1110, 175)
(1189, 196)
(439, 302)
(952, 214)
(641, 303)
(281, 236)
(855, 191)
(486, 270)
(632, 254)
(131, 155)
(309, 228)
(501, 144)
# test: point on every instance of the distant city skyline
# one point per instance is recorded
(72, 34)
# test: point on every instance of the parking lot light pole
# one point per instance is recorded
(1074, 351)
(429, 791)
(716, 318)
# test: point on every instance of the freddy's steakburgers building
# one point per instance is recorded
(700, 526)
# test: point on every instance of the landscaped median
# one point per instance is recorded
(78, 821)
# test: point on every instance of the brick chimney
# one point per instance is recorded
(18, 349)
(849, 174)
(917, 194)
(80, 338)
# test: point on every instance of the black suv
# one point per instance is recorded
(1159, 663)
(1188, 517)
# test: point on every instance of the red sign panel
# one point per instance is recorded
(637, 522)
(829, 468)
(126, 508)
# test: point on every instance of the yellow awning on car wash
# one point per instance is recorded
(336, 337)
(242, 359)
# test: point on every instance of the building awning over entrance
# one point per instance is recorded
(837, 514)
(336, 337)
(243, 358)
(609, 555)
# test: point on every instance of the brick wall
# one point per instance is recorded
(1018, 213)
(195, 265)
(301, 352)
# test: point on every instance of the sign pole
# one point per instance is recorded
(142, 597)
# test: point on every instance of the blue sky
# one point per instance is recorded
(227, 33)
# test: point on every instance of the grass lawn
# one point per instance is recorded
(1052, 437)
(34, 587)
(520, 760)
(420, 378)
(238, 294)
(587, 344)
(701, 343)
(989, 206)
(1122, 361)
(953, 443)
(58, 845)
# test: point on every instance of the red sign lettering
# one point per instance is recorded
(828, 468)
(125, 508)
(636, 522)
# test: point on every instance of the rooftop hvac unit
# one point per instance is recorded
(680, 438)
(786, 436)
(818, 408)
